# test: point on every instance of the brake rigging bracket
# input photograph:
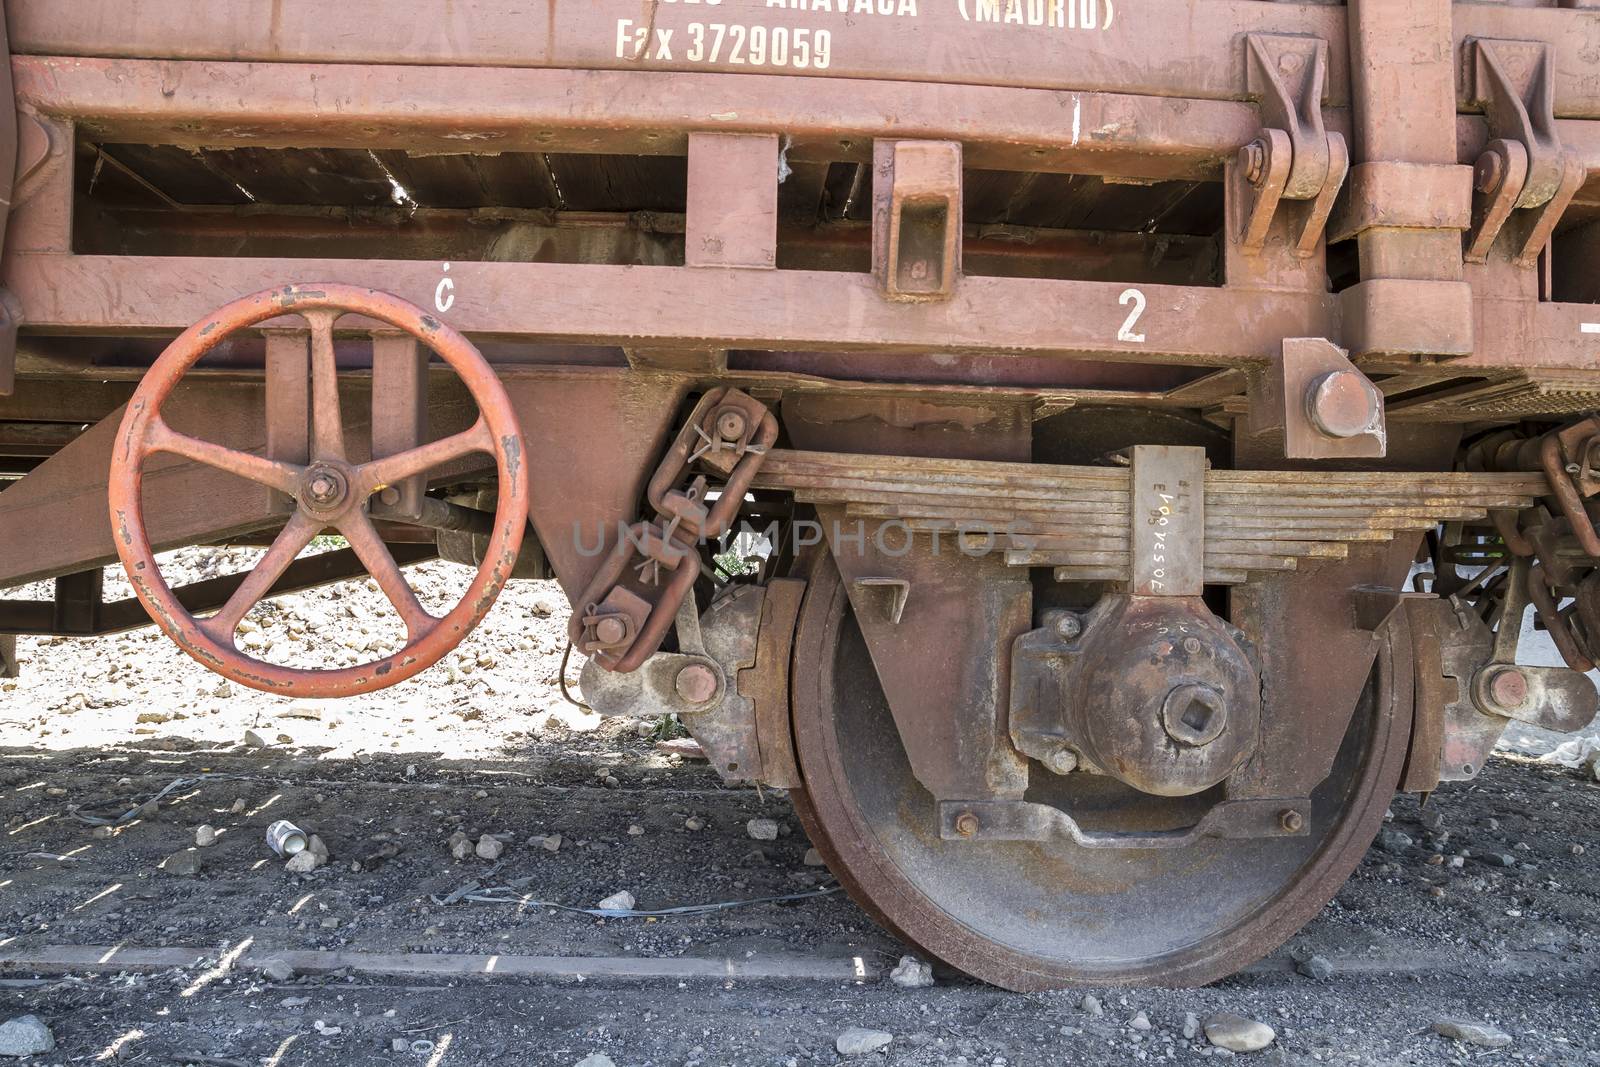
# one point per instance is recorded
(622, 616)
(1296, 165)
(1524, 179)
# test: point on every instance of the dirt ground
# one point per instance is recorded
(484, 744)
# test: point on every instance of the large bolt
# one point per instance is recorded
(1062, 761)
(696, 683)
(1508, 688)
(1253, 161)
(966, 824)
(1488, 172)
(611, 630)
(1291, 821)
(731, 425)
(1069, 626)
(1342, 403)
(324, 489)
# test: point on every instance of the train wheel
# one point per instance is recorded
(1039, 915)
(329, 492)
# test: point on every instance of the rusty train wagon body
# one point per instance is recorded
(1092, 454)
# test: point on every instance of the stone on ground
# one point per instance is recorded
(858, 1041)
(1482, 1034)
(1316, 967)
(762, 829)
(461, 845)
(490, 848)
(619, 901)
(814, 858)
(277, 969)
(1091, 1004)
(205, 836)
(912, 973)
(26, 1035)
(303, 862)
(317, 848)
(595, 1059)
(186, 862)
(1238, 1034)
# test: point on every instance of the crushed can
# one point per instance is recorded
(285, 838)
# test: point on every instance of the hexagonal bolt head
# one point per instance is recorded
(1291, 821)
(1194, 715)
(1062, 761)
(1508, 688)
(1342, 403)
(324, 487)
(966, 824)
(696, 683)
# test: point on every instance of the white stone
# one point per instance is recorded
(912, 973)
(1472, 1033)
(205, 836)
(619, 901)
(26, 1035)
(303, 862)
(490, 848)
(1238, 1034)
(858, 1041)
(762, 829)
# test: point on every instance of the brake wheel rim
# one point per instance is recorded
(133, 447)
(1040, 915)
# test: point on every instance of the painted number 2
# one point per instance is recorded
(1136, 298)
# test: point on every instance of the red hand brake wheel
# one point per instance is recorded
(330, 491)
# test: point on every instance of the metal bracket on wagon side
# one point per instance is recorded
(1295, 164)
(1322, 405)
(1524, 179)
(916, 218)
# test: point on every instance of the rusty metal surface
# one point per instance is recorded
(1082, 45)
(880, 833)
(921, 245)
(330, 491)
(1077, 519)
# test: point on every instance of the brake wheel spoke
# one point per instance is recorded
(375, 556)
(284, 477)
(327, 426)
(296, 535)
(397, 468)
